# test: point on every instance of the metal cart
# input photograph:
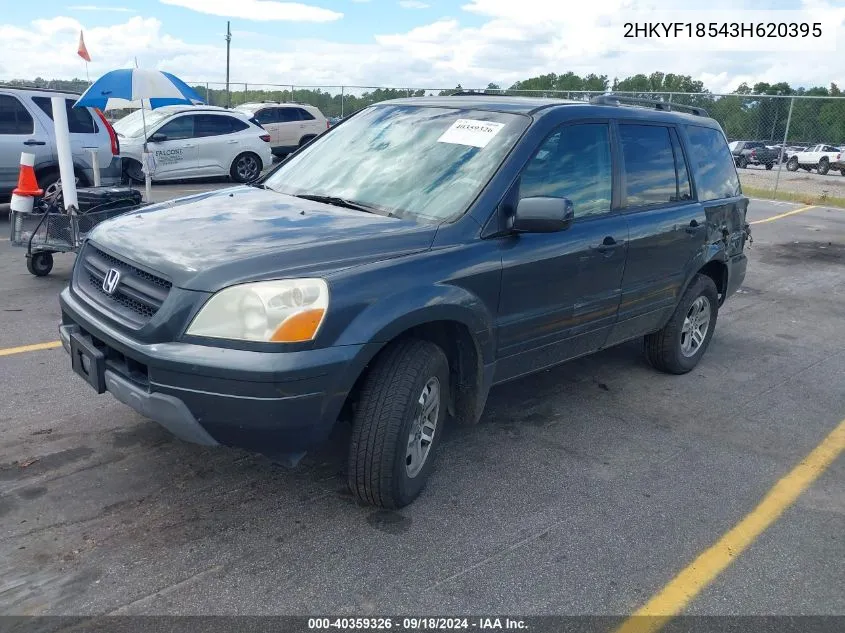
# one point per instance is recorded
(48, 229)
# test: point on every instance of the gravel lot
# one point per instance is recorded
(831, 185)
(583, 490)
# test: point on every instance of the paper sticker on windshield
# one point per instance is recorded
(471, 132)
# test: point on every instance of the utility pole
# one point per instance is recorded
(228, 43)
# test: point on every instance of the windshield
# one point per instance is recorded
(132, 125)
(421, 163)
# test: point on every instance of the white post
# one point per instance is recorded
(65, 155)
(95, 165)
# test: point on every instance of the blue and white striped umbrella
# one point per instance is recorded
(137, 88)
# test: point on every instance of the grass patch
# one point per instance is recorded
(790, 196)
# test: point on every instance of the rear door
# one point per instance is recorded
(667, 227)
(177, 156)
(217, 142)
(19, 132)
(84, 137)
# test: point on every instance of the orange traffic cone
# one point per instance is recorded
(27, 183)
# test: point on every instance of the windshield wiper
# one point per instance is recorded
(341, 202)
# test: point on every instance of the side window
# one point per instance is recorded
(573, 163)
(305, 115)
(684, 188)
(649, 165)
(266, 115)
(177, 129)
(288, 115)
(14, 118)
(212, 125)
(712, 164)
(237, 125)
(79, 120)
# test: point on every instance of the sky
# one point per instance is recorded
(406, 43)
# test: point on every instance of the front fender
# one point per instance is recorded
(392, 314)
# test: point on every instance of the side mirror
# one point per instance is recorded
(158, 137)
(543, 215)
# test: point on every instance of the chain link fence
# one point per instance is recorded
(786, 146)
(772, 136)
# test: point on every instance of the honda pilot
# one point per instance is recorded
(390, 272)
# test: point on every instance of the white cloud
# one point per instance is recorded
(93, 7)
(259, 10)
(413, 4)
(505, 44)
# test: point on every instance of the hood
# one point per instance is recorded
(212, 240)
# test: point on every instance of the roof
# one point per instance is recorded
(275, 104)
(176, 109)
(33, 89)
(535, 105)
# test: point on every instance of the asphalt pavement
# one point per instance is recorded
(583, 490)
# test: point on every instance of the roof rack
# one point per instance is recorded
(616, 100)
(33, 88)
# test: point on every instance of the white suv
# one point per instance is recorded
(188, 141)
(26, 125)
(290, 125)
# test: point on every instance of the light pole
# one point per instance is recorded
(228, 43)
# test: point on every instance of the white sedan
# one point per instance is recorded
(193, 142)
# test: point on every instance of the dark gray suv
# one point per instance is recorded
(392, 271)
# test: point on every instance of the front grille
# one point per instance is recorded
(138, 294)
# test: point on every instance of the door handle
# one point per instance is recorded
(232, 142)
(34, 142)
(607, 246)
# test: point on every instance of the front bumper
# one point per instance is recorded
(268, 402)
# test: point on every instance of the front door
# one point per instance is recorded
(176, 155)
(19, 132)
(560, 291)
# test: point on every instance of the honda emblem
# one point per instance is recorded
(111, 281)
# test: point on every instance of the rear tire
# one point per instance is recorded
(769, 165)
(743, 162)
(134, 172)
(306, 139)
(246, 167)
(824, 166)
(40, 264)
(679, 346)
(398, 423)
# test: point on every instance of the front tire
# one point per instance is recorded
(679, 346)
(398, 423)
(769, 165)
(245, 168)
(824, 166)
(792, 164)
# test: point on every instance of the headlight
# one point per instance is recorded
(284, 311)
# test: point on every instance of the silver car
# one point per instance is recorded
(26, 125)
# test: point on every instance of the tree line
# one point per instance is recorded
(742, 114)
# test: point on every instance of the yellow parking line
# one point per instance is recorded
(29, 348)
(684, 587)
(783, 215)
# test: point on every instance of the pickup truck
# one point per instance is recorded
(820, 157)
(747, 153)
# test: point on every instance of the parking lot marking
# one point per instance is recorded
(684, 587)
(783, 215)
(29, 348)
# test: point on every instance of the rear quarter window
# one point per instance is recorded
(14, 119)
(79, 120)
(712, 164)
